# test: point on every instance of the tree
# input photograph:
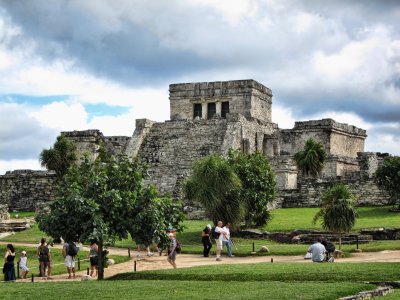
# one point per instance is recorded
(388, 177)
(311, 159)
(59, 158)
(337, 212)
(258, 185)
(99, 200)
(215, 185)
(152, 215)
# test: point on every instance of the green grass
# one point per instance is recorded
(22, 214)
(152, 289)
(285, 272)
(57, 259)
(289, 219)
(283, 220)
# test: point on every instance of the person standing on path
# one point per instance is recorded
(69, 251)
(22, 264)
(218, 235)
(172, 248)
(206, 240)
(43, 253)
(8, 268)
(94, 258)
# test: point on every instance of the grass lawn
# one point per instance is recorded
(57, 259)
(282, 220)
(153, 289)
(289, 219)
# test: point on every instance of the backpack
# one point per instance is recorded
(72, 249)
(178, 247)
(215, 234)
(43, 251)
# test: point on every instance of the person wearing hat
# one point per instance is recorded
(206, 240)
(22, 264)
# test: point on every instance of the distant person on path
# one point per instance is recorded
(43, 252)
(317, 251)
(8, 268)
(218, 235)
(226, 239)
(206, 240)
(94, 258)
(22, 263)
(69, 251)
(172, 248)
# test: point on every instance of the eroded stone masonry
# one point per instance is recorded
(213, 117)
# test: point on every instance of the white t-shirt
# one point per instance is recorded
(317, 251)
(221, 232)
(22, 262)
(227, 235)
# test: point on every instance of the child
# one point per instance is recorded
(22, 264)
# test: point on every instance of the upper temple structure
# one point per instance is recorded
(213, 117)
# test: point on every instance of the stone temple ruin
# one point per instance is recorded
(213, 117)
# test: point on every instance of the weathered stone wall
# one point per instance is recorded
(22, 189)
(4, 215)
(338, 139)
(87, 142)
(246, 97)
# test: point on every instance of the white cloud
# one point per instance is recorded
(10, 165)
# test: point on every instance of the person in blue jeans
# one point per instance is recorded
(226, 239)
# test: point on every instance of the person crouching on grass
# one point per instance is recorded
(172, 247)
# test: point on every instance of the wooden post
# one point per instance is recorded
(357, 241)
(87, 271)
(272, 259)
(33, 278)
(134, 267)
(129, 252)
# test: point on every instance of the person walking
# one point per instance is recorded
(226, 239)
(172, 248)
(206, 240)
(8, 268)
(317, 251)
(43, 253)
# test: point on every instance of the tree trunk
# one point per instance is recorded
(101, 262)
(340, 241)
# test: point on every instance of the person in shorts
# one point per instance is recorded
(93, 257)
(69, 260)
(23, 264)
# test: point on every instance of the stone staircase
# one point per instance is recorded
(14, 225)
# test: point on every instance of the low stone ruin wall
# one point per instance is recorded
(4, 215)
(22, 189)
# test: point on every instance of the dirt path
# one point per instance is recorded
(157, 262)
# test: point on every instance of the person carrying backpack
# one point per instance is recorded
(43, 253)
(69, 251)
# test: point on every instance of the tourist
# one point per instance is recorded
(226, 239)
(317, 251)
(206, 240)
(22, 264)
(8, 268)
(69, 251)
(330, 249)
(172, 247)
(43, 252)
(93, 257)
(218, 236)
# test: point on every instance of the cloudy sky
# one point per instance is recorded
(75, 65)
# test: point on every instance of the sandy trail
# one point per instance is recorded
(157, 262)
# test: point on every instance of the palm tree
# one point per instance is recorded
(216, 186)
(311, 159)
(337, 212)
(60, 157)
